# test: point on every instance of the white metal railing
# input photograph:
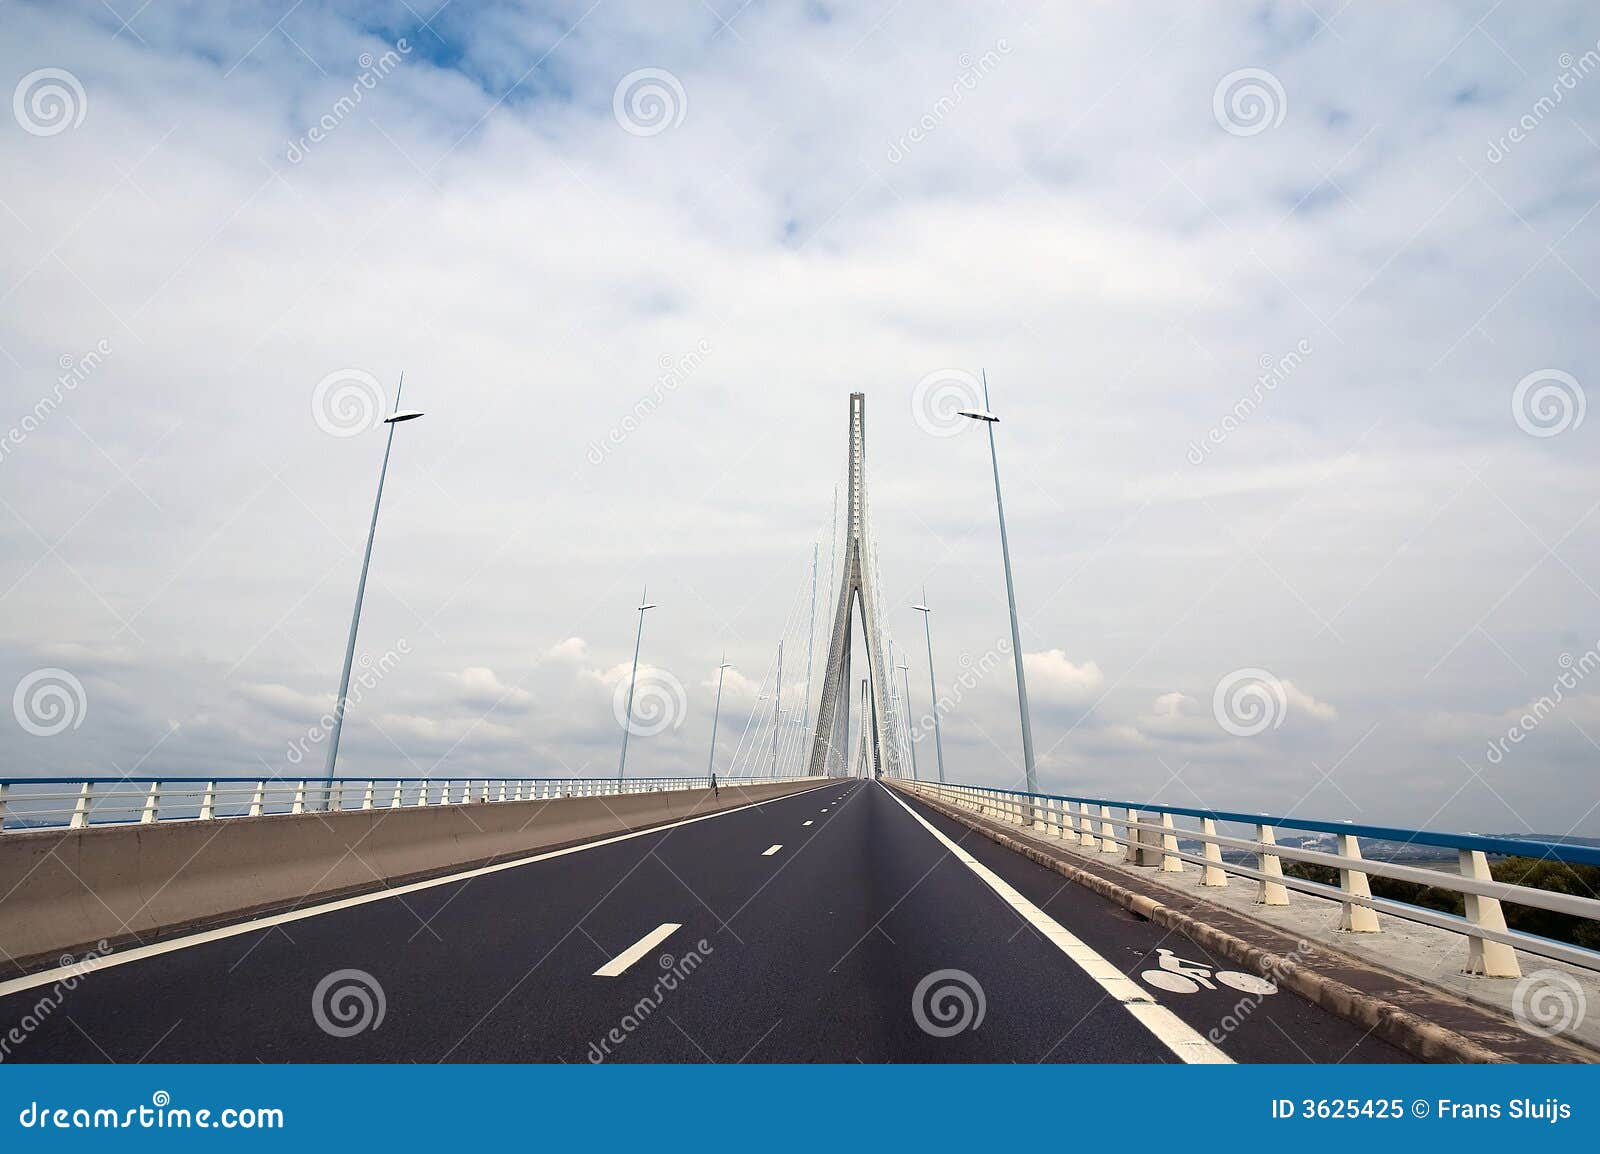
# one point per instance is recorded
(1150, 835)
(76, 803)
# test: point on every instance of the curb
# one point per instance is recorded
(1395, 1025)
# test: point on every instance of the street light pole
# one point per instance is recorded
(988, 417)
(716, 714)
(933, 686)
(905, 676)
(340, 705)
(633, 680)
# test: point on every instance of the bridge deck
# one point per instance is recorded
(813, 951)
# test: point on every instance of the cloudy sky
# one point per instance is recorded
(1288, 310)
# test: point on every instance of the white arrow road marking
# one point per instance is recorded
(618, 965)
(1169, 1029)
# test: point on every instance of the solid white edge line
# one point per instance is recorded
(1170, 1030)
(771, 850)
(619, 965)
(156, 949)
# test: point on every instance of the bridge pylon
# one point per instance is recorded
(857, 590)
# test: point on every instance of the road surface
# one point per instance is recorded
(799, 930)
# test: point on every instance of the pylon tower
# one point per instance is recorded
(857, 590)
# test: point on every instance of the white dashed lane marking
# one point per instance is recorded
(618, 965)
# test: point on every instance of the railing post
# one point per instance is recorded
(444, 793)
(1108, 832)
(396, 801)
(1214, 874)
(1356, 919)
(1490, 959)
(333, 796)
(152, 804)
(258, 800)
(1270, 893)
(2, 806)
(1131, 857)
(503, 796)
(80, 811)
(299, 805)
(208, 802)
(366, 795)
(1171, 863)
(1086, 837)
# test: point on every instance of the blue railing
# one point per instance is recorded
(1149, 834)
(30, 803)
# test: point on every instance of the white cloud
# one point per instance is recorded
(572, 649)
(1053, 679)
(478, 687)
(1302, 704)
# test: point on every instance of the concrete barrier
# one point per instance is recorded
(68, 889)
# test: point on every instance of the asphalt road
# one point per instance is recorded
(813, 951)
